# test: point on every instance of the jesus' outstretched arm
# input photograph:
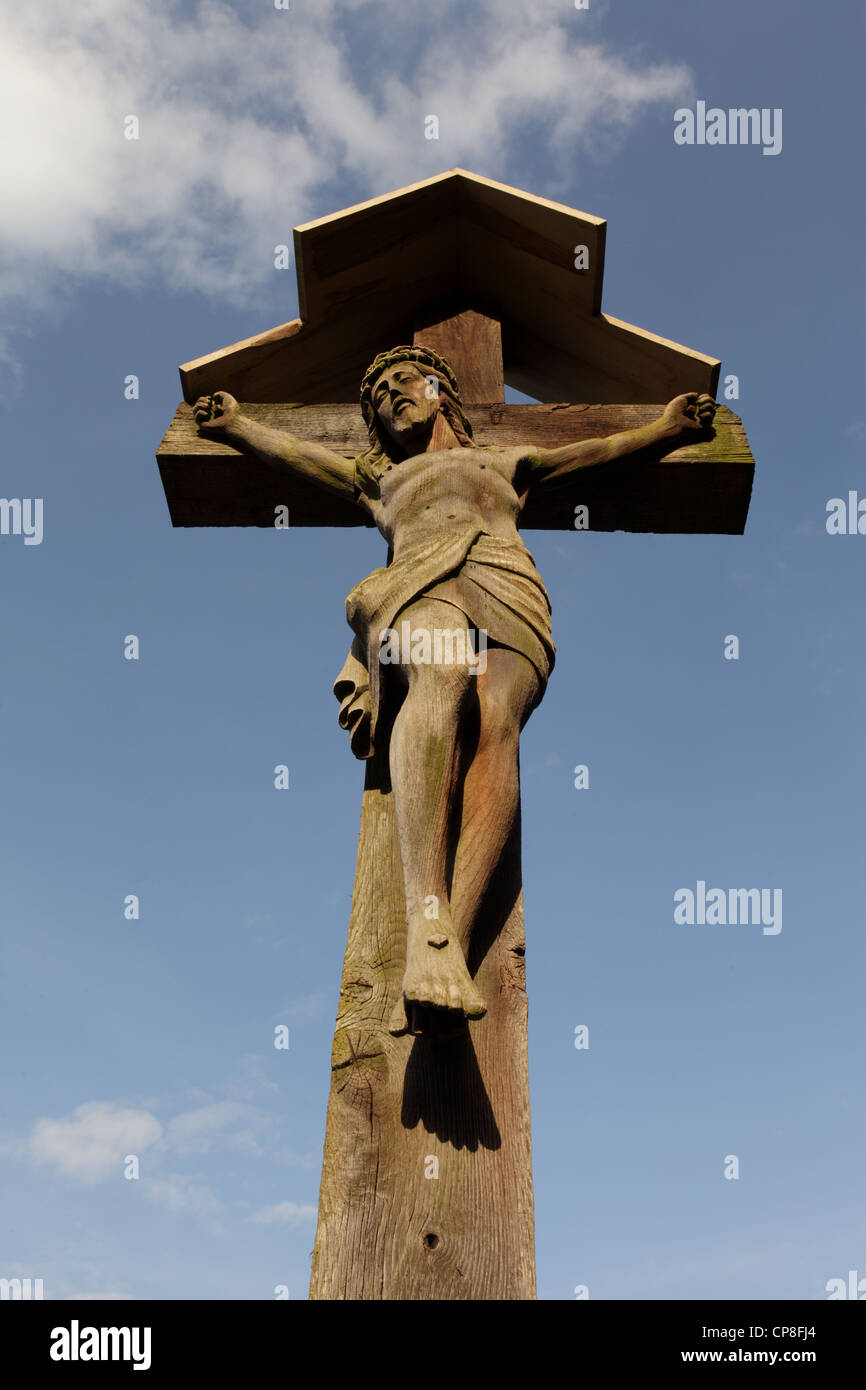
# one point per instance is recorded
(686, 418)
(219, 415)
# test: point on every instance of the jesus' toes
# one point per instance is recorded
(473, 1005)
(399, 1023)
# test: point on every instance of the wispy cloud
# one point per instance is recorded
(92, 1142)
(247, 119)
(183, 1196)
(227, 1124)
(249, 1080)
(285, 1213)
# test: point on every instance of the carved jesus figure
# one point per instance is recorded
(449, 510)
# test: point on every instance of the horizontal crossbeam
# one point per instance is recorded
(704, 487)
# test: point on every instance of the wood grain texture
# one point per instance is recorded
(385, 1230)
(533, 238)
(367, 272)
(472, 343)
(702, 488)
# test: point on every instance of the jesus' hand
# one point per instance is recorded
(690, 414)
(215, 412)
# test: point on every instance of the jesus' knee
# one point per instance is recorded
(505, 702)
(440, 695)
(442, 687)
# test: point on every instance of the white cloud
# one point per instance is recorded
(93, 1141)
(231, 1124)
(250, 1080)
(248, 120)
(286, 1213)
(183, 1196)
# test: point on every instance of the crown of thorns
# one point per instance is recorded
(421, 356)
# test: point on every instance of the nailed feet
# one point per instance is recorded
(436, 978)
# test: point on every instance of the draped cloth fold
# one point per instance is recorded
(494, 584)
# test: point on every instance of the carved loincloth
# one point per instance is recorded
(494, 584)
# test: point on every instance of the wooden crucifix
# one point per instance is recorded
(427, 1184)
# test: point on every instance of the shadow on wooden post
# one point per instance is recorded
(427, 1161)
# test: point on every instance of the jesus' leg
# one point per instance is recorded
(425, 767)
(507, 694)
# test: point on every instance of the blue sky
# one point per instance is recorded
(155, 777)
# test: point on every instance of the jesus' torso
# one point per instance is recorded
(448, 488)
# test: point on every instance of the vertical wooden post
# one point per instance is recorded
(427, 1174)
(471, 343)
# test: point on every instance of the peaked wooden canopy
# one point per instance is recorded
(449, 243)
(485, 274)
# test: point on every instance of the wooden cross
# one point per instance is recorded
(426, 1184)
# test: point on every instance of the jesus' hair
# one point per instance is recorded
(369, 465)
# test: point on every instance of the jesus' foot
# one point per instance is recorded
(436, 978)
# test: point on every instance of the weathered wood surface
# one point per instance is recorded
(471, 342)
(387, 1228)
(364, 273)
(704, 487)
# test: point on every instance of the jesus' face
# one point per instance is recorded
(405, 402)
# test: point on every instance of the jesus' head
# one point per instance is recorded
(401, 394)
(406, 401)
